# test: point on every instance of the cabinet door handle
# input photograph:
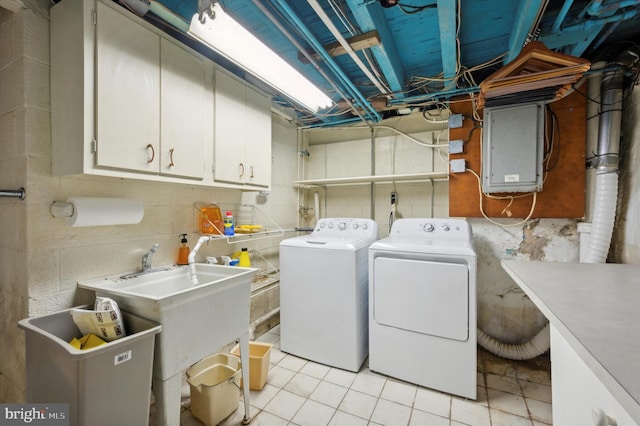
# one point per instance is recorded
(241, 168)
(171, 157)
(600, 418)
(251, 168)
(153, 153)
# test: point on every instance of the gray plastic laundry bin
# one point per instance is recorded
(106, 385)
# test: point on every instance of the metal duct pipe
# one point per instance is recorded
(606, 164)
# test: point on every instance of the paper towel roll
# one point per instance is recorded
(105, 211)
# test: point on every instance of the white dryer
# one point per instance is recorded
(324, 292)
(422, 305)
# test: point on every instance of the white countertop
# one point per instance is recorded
(596, 308)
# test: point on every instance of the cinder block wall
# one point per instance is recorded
(41, 258)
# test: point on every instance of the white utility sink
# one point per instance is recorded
(169, 284)
(196, 319)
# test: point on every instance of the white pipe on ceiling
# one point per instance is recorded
(347, 47)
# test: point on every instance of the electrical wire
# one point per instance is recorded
(409, 9)
(482, 194)
(353, 31)
(445, 161)
(555, 135)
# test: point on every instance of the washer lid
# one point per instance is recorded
(328, 242)
(338, 234)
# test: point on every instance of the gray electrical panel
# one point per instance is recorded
(512, 148)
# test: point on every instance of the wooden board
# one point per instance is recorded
(563, 192)
(535, 68)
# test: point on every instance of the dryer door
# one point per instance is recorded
(422, 296)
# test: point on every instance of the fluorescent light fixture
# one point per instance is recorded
(230, 39)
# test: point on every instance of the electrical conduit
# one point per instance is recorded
(360, 100)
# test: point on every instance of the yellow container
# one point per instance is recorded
(259, 354)
(215, 388)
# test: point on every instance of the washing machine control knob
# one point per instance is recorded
(342, 226)
(355, 226)
(428, 227)
(365, 226)
(322, 224)
(445, 227)
(330, 225)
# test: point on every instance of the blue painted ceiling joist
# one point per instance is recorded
(580, 35)
(371, 17)
(341, 78)
(526, 17)
(447, 21)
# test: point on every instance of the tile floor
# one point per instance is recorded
(301, 392)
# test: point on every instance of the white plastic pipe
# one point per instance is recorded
(605, 200)
(538, 345)
(316, 205)
(345, 45)
(192, 258)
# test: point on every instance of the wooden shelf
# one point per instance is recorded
(357, 180)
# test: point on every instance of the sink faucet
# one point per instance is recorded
(146, 259)
(192, 257)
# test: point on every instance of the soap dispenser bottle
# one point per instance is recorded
(183, 251)
(245, 261)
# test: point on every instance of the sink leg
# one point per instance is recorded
(168, 394)
(244, 357)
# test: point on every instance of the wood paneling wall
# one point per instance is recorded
(563, 192)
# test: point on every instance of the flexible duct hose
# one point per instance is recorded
(605, 199)
(538, 345)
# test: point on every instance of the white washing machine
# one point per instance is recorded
(324, 292)
(422, 305)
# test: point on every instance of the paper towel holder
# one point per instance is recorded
(95, 211)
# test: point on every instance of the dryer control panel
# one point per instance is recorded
(346, 227)
(432, 228)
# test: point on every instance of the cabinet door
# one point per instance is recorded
(185, 111)
(258, 149)
(576, 391)
(230, 129)
(127, 93)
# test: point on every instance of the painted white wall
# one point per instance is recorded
(504, 311)
(41, 258)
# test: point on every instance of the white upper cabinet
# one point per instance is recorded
(128, 93)
(258, 139)
(129, 101)
(186, 111)
(242, 133)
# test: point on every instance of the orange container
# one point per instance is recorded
(211, 220)
(259, 354)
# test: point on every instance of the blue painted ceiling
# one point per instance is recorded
(428, 51)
